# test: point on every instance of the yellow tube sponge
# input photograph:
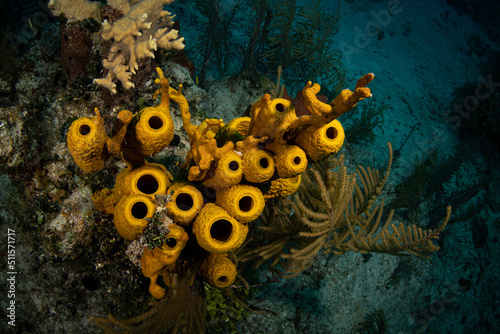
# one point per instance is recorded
(152, 127)
(320, 141)
(258, 165)
(87, 143)
(130, 215)
(245, 203)
(218, 270)
(150, 179)
(218, 232)
(290, 160)
(271, 118)
(154, 130)
(153, 262)
(321, 113)
(283, 187)
(185, 203)
(204, 149)
(229, 171)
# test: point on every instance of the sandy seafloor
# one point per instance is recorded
(419, 55)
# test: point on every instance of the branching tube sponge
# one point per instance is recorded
(217, 231)
(130, 215)
(185, 203)
(154, 261)
(245, 203)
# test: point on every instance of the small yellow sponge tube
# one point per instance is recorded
(218, 270)
(320, 141)
(87, 143)
(290, 161)
(258, 165)
(245, 203)
(229, 171)
(217, 231)
(185, 203)
(130, 215)
(150, 179)
(154, 130)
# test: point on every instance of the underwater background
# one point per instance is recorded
(436, 99)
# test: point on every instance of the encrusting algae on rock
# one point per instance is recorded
(230, 161)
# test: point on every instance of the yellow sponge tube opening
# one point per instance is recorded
(87, 143)
(154, 130)
(229, 171)
(150, 179)
(130, 215)
(245, 203)
(258, 165)
(320, 141)
(290, 161)
(185, 203)
(217, 231)
(218, 270)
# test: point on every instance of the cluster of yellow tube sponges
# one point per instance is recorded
(227, 163)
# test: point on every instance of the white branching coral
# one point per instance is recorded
(144, 27)
(135, 36)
